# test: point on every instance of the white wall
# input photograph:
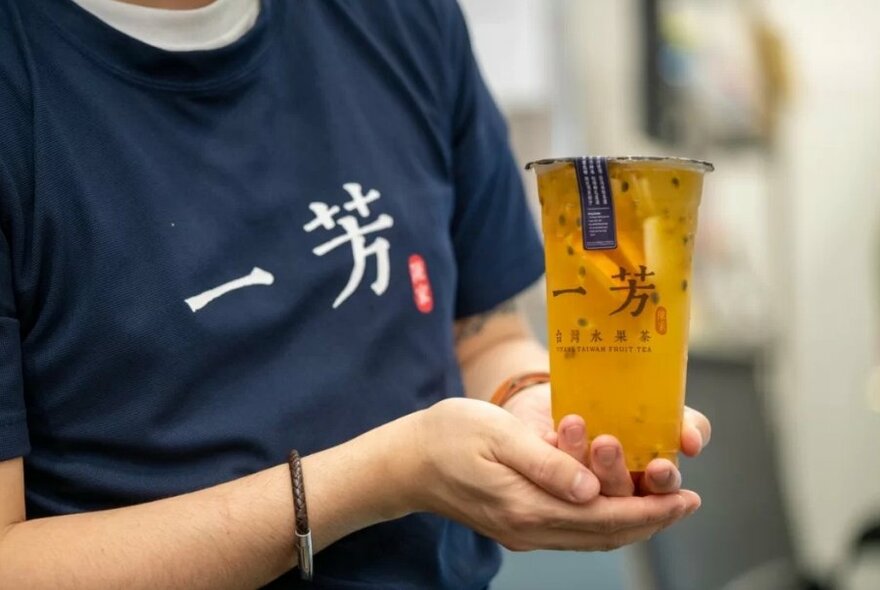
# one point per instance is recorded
(828, 203)
(511, 41)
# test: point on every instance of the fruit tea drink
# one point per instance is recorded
(618, 294)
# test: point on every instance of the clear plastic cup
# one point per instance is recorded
(619, 238)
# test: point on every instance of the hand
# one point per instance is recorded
(532, 406)
(478, 467)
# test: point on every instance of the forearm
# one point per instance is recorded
(504, 360)
(494, 347)
(234, 535)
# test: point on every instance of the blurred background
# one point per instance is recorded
(784, 97)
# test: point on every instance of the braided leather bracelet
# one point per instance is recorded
(301, 515)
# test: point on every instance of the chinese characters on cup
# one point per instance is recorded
(633, 286)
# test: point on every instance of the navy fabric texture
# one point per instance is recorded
(210, 258)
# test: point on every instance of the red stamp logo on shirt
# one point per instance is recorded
(422, 293)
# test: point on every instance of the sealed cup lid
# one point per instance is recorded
(697, 165)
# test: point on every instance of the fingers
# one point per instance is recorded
(615, 515)
(572, 437)
(606, 461)
(660, 477)
(696, 430)
(546, 466)
(564, 540)
(603, 524)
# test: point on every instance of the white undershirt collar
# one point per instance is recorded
(216, 25)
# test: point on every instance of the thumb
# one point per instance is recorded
(546, 466)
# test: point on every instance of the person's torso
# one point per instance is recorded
(224, 255)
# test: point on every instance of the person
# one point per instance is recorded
(240, 227)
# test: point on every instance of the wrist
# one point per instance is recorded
(360, 483)
(383, 469)
(401, 465)
(511, 387)
(526, 395)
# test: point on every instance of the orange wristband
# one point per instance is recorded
(516, 384)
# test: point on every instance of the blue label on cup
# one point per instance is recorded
(597, 206)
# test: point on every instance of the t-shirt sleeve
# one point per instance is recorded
(13, 424)
(16, 176)
(497, 248)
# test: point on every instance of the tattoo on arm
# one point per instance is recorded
(473, 325)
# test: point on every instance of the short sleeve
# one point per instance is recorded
(13, 424)
(16, 179)
(497, 248)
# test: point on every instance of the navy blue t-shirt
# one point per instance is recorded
(210, 258)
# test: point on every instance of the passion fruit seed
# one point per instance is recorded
(562, 220)
(582, 271)
(570, 251)
(675, 181)
(684, 285)
(655, 297)
(624, 186)
(582, 322)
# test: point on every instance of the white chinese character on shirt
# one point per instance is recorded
(325, 217)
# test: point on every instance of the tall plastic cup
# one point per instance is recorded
(619, 238)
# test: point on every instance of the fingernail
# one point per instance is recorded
(574, 434)
(606, 456)
(662, 477)
(583, 487)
